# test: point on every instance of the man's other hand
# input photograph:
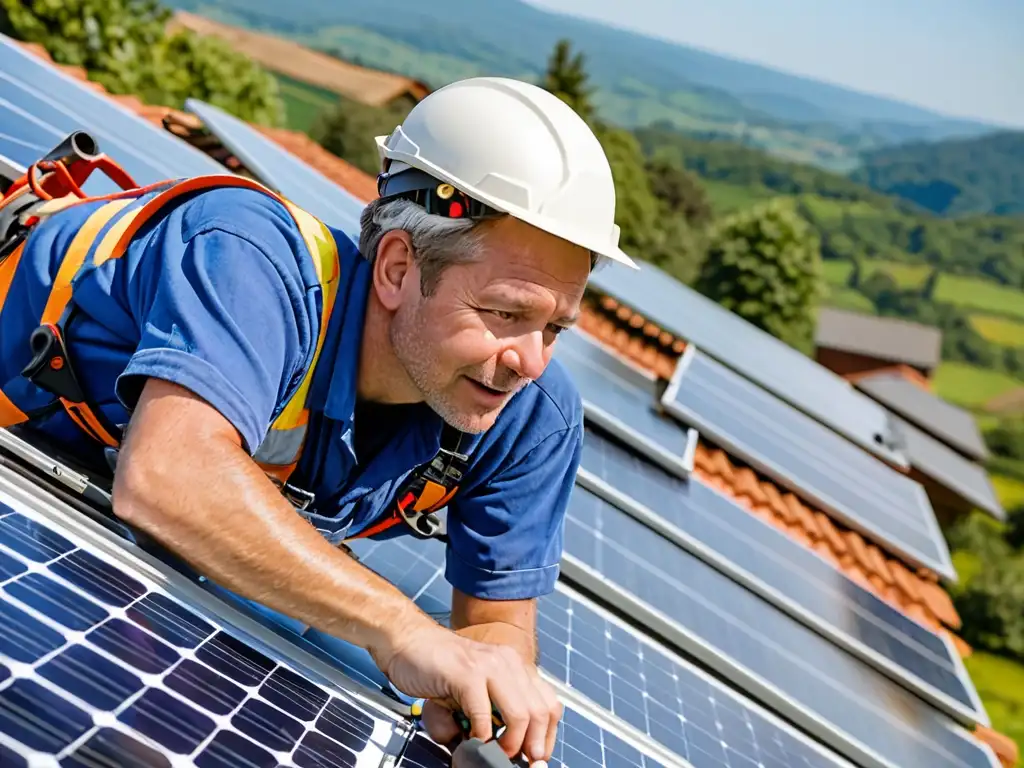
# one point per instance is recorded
(455, 672)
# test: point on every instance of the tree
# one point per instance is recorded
(680, 191)
(764, 264)
(567, 78)
(991, 606)
(348, 130)
(124, 45)
(637, 211)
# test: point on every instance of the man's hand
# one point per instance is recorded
(508, 623)
(455, 672)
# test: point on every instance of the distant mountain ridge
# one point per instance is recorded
(955, 177)
(641, 80)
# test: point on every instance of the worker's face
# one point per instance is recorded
(489, 327)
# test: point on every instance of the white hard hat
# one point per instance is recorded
(515, 148)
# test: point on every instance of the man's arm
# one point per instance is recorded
(184, 479)
(502, 622)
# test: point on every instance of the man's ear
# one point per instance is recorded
(394, 268)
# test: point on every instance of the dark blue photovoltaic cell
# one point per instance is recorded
(230, 705)
(739, 631)
(779, 562)
(282, 171)
(758, 355)
(40, 106)
(642, 685)
(605, 382)
(810, 459)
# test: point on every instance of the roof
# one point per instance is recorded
(915, 592)
(885, 338)
(369, 86)
(954, 426)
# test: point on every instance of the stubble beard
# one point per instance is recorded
(408, 346)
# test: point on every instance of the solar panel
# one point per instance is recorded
(281, 170)
(622, 400)
(756, 354)
(800, 674)
(951, 470)
(808, 458)
(40, 106)
(715, 528)
(928, 411)
(598, 655)
(100, 666)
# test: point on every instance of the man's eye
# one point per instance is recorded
(502, 314)
(557, 329)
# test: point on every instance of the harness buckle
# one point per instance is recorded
(50, 368)
(298, 497)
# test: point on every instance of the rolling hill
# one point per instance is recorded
(641, 80)
(953, 177)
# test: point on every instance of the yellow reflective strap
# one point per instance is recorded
(324, 252)
(60, 291)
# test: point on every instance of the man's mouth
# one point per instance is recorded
(489, 390)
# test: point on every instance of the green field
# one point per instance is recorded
(905, 275)
(726, 198)
(969, 386)
(1000, 683)
(974, 293)
(836, 272)
(1000, 330)
(303, 102)
(1010, 490)
(848, 298)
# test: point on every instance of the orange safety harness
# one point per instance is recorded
(53, 184)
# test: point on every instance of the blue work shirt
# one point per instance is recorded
(218, 295)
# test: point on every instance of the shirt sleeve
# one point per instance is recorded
(506, 535)
(226, 316)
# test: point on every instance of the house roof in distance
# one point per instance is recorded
(885, 338)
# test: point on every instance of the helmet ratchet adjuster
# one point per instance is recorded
(435, 197)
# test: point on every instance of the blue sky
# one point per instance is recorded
(960, 57)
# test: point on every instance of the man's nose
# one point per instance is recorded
(527, 355)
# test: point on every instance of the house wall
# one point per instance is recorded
(850, 363)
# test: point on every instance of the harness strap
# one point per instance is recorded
(426, 490)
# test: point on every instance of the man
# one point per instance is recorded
(221, 323)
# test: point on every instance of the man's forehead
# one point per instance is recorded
(521, 252)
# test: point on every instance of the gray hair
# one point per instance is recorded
(437, 241)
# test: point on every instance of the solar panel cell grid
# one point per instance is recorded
(808, 458)
(116, 673)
